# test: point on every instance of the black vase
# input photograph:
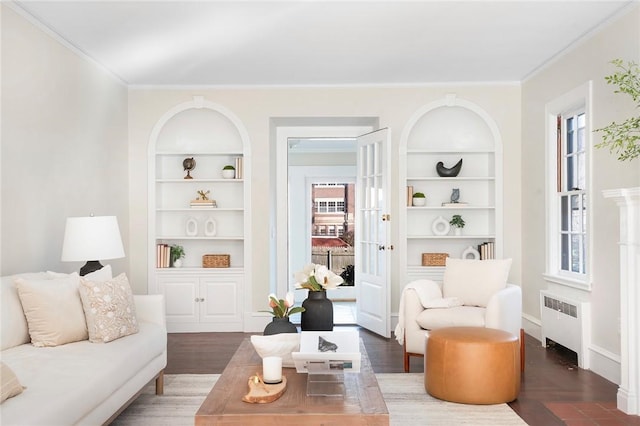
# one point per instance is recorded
(279, 325)
(318, 313)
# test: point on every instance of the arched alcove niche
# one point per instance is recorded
(446, 131)
(200, 297)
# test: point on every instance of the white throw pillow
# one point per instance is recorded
(9, 384)
(278, 345)
(102, 274)
(109, 308)
(53, 310)
(475, 281)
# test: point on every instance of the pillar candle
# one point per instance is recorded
(272, 369)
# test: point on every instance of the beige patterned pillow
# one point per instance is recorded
(108, 308)
(9, 386)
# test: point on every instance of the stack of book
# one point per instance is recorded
(487, 250)
(163, 256)
(239, 168)
(203, 203)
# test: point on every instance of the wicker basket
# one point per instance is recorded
(216, 260)
(434, 259)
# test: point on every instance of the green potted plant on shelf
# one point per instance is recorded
(458, 223)
(228, 172)
(177, 253)
(418, 199)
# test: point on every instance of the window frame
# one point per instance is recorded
(576, 101)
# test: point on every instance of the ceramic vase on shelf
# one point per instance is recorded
(278, 326)
(318, 313)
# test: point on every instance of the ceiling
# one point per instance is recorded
(321, 42)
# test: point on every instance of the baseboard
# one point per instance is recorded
(604, 363)
(601, 361)
(532, 326)
(255, 322)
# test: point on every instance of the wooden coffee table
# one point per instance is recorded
(362, 405)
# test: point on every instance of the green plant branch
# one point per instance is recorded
(623, 138)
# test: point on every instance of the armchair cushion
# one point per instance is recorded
(461, 316)
(445, 302)
(475, 281)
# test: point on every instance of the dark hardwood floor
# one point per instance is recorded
(551, 376)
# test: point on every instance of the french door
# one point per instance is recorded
(372, 252)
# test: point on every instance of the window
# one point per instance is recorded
(329, 205)
(568, 189)
(572, 194)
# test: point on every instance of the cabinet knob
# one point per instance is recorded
(196, 300)
(381, 247)
(202, 299)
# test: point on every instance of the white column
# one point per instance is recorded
(628, 200)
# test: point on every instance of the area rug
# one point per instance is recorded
(404, 394)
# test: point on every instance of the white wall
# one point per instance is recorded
(64, 146)
(587, 61)
(256, 106)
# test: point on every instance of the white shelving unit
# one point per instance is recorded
(198, 298)
(448, 130)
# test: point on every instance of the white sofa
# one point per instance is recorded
(81, 382)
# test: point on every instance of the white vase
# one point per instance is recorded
(471, 253)
(228, 174)
(440, 226)
(177, 263)
(191, 228)
(419, 201)
(457, 231)
(210, 227)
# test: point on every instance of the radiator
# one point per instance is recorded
(567, 322)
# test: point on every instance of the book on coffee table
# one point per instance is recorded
(328, 351)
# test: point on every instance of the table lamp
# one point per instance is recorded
(91, 238)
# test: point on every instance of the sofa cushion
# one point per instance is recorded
(81, 375)
(53, 310)
(475, 281)
(9, 384)
(462, 316)
(109, 308)
(14, 330)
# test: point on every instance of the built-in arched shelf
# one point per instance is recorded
(200, 298)
(448, 130)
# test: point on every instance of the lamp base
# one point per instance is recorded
(89, 267)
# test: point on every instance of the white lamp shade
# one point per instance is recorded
(92, 238)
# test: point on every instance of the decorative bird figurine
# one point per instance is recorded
(446, 172)
(455, 195)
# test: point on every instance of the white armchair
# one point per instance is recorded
(473, 294)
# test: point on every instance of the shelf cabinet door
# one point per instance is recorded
(221, 298)
(181, 295)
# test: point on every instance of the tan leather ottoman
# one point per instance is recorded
(472, 365)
